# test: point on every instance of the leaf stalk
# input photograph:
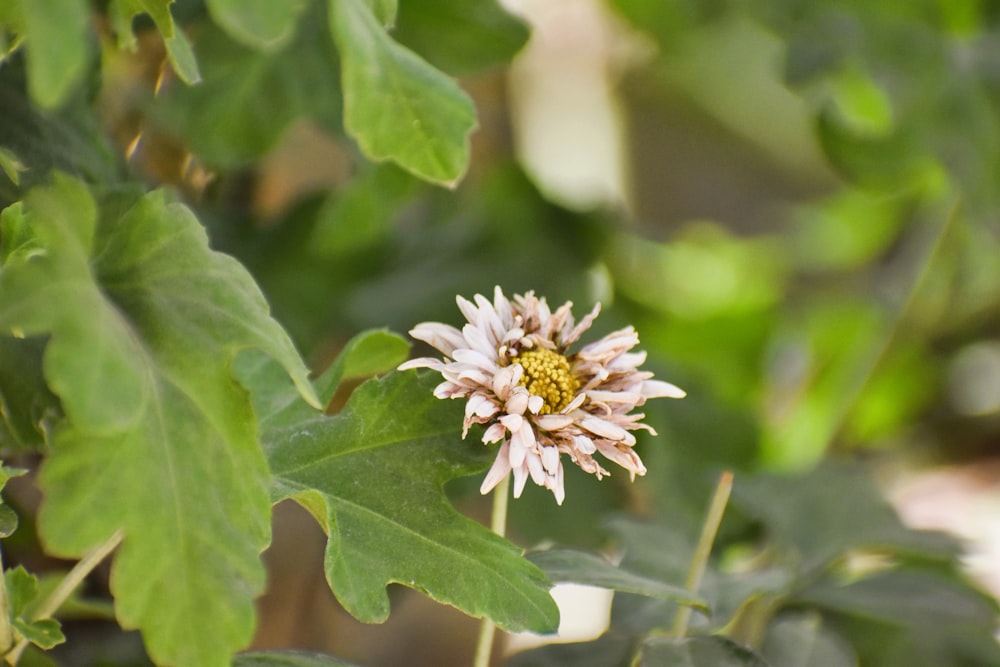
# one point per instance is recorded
(498, 524)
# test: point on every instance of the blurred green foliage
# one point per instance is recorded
(811, 242)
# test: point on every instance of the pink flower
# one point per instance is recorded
(511, 362)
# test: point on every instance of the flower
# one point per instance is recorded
(511, 361)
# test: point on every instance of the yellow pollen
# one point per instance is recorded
(547, 374)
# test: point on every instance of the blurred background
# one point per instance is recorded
(794, 202)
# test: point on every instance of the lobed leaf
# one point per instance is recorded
(396, 105)
(22, 592)
(160, 441)
(373, 477)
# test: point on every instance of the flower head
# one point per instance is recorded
(512, 363)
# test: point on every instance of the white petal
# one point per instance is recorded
(522, 441)
(468, 309)
(535, 404)
(503, 380)
(558, 488)
(575, 403)
(584, 324)
(517, 450)
(495, 433)
(584, 444)
(476, 375)
(550, 459)
(441, 336)
(604, 429)
(499, 470)
(520, 477)
(553, 422)
(658, 389)
(517, 403)
(536, 469)
(475, 358)
(512, 422)
(422, 362)
(477, 340)
(502, 306)
(620, 397)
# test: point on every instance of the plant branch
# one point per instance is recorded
(69, 583)
(498, 524)
(704, 548)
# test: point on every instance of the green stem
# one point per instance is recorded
(704, 549)
(868, 366)
(6, 631)
(69, 583)
(498, 523)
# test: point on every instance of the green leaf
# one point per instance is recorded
(8, 521)
(368, 353)
(373, 476)
(44, 633)
(397, 106)
(711, 651)
(248, 98)
(58, 49)
(28, 409)
(385, 11)
(801, 640)
(160, 442)
(179, 52)
(606, 651)
(461, 37)
(261, 24)
(569, 565)
(287, 659)
(11, 165)
(22, 592)
(837, 508)
(910, 618)
(182, 58)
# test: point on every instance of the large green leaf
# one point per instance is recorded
(396, 105)
(160, 441)
(372, 475)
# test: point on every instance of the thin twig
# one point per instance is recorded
(704, 549)
(69, 583)
(498, 523)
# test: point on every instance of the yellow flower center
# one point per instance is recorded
(547, 374)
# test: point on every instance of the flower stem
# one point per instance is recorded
(704, 548)
(498, 524)
(69, 583)
(6, 631)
